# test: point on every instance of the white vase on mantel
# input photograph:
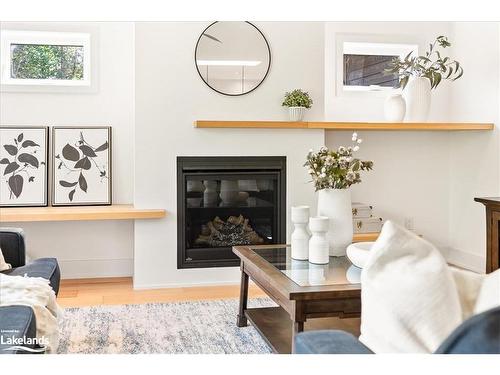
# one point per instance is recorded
(395, 108)
(417, 94)
(336, 205)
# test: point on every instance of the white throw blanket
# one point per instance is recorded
(36, 293)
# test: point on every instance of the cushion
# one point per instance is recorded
(489, 294)
(3, 265)
(46, 268)
(409, 298)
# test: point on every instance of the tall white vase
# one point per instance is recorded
(300, 236)
(336, 205)
(417, 94)
(395, 108)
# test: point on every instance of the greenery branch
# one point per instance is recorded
(432, 66)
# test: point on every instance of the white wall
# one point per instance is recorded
(474, 157)
(170, 96)
(430, 177)
(87, 249)
(410, 177)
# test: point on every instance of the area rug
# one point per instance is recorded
(196, 327)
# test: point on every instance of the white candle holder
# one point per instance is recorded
(300, 236)
(318, 244)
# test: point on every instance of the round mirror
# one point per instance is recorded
(233, 58)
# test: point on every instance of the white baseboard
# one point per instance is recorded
(186, 284)
(464, 259)
(93, 268)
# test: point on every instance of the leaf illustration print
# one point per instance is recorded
(23, 161)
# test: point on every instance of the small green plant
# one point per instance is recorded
(297, 98)
(431, 66)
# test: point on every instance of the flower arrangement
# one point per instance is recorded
(336, 169)
(297, 98)
(431, 66)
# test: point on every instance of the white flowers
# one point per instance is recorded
(336, 168)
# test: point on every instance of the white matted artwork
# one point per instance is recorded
(23, 166)
(81, 166)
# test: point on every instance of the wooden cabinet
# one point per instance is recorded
(492, 232)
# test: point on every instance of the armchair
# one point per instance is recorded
(19, 321)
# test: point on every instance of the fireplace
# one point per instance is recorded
(228, 201)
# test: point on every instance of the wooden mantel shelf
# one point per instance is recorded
(78, 213)
(387, 126)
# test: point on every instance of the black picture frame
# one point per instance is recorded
(55, 164)
(45, 180)
(224, 93)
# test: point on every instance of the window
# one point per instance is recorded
(45, 58)
(361, 65)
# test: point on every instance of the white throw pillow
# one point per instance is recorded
(489, 294)
(3, 265)
(409, 299)
(468, 285)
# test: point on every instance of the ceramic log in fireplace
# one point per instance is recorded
(228, 201)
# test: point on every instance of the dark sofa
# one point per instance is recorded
(19, 321)
(479, 334)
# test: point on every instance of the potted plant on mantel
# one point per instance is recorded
(297, 101)
(333, 172)
(418, 75)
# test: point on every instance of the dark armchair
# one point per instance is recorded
(19, 321)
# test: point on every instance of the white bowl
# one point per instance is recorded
(359, 252)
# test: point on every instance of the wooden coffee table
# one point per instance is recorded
(308, 296)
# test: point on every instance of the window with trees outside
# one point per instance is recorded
(45, 58)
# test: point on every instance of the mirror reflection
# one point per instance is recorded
(233, 58)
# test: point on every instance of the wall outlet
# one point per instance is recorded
(409, 223)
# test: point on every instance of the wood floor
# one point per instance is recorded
(118, 291)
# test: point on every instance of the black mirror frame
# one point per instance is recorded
(220, 92)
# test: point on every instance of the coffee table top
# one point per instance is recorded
(339, 271)
(299, 279)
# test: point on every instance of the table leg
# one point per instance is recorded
(242, 320)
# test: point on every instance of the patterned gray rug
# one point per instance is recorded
(198, 327)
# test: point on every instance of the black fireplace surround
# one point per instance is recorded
(227, 201)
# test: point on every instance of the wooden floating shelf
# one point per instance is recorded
(365, 237)
(78, 213)
(387, 126)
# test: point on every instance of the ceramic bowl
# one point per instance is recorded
(359, 252)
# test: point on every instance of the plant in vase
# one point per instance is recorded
(418, 75)
(297, 101)
(333, 172)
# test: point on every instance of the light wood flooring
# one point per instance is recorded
(118, 291)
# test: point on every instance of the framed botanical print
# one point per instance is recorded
(81, 160)
(23, 166)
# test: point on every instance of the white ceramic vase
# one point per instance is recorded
(300, 236)
(318, 244)
(395, 108)
(296, 113)
(336, 205)
(417, 94)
